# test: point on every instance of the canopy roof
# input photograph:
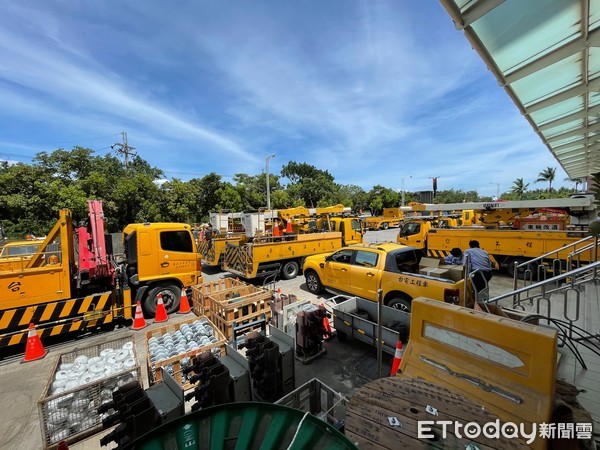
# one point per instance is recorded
(546, 55)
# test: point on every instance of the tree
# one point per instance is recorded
(312, 185)
(548, 175)
(577, 182)
(519, 187)
(381, 197)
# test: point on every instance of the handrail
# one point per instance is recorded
(541, 284)
(555, 253)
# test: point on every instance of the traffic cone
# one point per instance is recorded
(328, 333)
(161, 312)
(397, 358)
(288, 227)
(34, 348)
(138, 321)
(276, 232)
(278, 295)
(184, 304)
(62, 445)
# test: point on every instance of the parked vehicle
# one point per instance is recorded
(72, 282)
(397, 270)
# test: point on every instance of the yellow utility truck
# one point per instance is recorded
(73, 283)
(504, 245)
(228, 228)
(392, 217)
(399, 271)
(268, 253)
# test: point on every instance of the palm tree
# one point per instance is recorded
(548, 175)
(519, 187)
(577, 182)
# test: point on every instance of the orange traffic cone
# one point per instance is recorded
(278, 295)
(397, 358)
(138, 321)
(161, 312)
(288, 227)
(34, 348)
(328, 334)
(184, 304)
(276, 232)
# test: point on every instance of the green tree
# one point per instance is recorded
(577, 182)
(312, 185)
(519, 187)
(381, 197)
(547, 175)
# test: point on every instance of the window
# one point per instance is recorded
(407, 261)
(343, 256)
(367, 259)
(356, 225)
(176, 241)
(411, 228)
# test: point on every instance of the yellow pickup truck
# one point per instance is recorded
(363, 269)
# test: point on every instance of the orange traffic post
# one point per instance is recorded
(161, 312)
(184, 304)
(276, 232)
(288, 227)
(138, 321)
(34, 349)
(397, 358)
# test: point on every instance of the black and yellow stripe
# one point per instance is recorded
(437, 253)
(208, 253)
(237, 260)
(55, 318)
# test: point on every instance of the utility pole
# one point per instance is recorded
(124, 148)
(497, 189)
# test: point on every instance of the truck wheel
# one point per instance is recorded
(403, 304)
(521, 274)
(313, 283)
(385, 226)
(290, 270)
(170, 297)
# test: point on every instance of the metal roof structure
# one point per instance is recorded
(546, 55)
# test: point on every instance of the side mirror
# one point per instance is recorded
(328, 258)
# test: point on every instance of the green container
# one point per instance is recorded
(241, 426)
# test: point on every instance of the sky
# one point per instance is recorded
(377, 93)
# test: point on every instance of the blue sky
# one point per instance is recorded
(372, 91)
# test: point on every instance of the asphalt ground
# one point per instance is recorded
(344, 367)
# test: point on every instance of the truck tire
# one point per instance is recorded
(385, 226)
(290, 270)
(171, 296)
(401, 303)
(521, 274)
(313, 283)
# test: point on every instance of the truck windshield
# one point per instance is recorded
(410, 228)
(19, 250)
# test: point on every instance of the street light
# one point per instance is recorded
(497, 189)
(402, 187)
(268, 188)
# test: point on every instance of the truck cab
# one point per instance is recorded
(160, 258)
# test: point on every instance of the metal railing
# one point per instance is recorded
(567, 291)
(538, 267)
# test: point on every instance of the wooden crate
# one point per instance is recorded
(201, 292)
(241, 307)
(154, 373)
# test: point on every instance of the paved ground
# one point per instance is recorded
(345, 367)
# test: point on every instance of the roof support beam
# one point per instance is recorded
(580, 89)
(581, 131)
(594, 110)
(569, 49)
(463, 19)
